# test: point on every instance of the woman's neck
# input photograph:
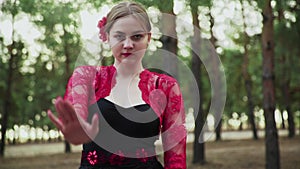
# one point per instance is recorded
(128, 71)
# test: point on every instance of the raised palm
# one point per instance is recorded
(75, 128)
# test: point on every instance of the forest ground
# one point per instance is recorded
(227, 154)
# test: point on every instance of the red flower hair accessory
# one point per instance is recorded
(101, 26)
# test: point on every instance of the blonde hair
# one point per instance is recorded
(124, 9)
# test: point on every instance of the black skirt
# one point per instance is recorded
(130, 163)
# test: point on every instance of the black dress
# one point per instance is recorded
(125, 140)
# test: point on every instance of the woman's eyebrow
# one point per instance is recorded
(133, 33)
(119, 32)
(137, 32)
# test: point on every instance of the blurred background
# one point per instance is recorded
(257, 42)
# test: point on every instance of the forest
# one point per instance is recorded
(237, 62)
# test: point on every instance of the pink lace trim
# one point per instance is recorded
(104, 81)
(79, 89)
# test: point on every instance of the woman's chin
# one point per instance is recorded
(131, 59)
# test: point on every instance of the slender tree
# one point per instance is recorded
(12, 9)
(67, 54)
(247, 76)
(199, 146)
(60, 22)
(169, 36)
(272, 147)
(8, 99)
(215, 69)
(284, 70)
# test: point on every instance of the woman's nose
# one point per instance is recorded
(128, 43)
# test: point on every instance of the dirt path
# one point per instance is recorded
(30, 150)
(228, 154)
(249, 154)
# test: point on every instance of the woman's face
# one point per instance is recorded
(128, 40)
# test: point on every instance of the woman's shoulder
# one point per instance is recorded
(163, 78)
(162, 75)
(90, 69)
(94, 67)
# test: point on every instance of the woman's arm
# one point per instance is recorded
(73, 109)
(174, 131)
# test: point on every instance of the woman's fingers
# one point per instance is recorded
(92, 129)
(74, 127)
(95, 125)
(55, 120)
(63, 113)
(70, 111)
(60, 111)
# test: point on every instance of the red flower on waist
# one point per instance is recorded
(92, 157)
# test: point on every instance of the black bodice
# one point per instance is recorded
(128, 133)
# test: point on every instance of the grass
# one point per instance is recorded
(237, 154)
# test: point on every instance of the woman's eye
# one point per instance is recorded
(119, 37)
(137, 37)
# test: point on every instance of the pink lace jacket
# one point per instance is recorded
(88, 84)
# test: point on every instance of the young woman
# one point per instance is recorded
(118, 112)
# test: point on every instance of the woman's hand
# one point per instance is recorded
(75, 128)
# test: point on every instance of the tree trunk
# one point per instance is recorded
(67, 147)
(199, 146)
(248, 85)
(241, 124)
(286, 96)
(9, 83)
(67, 75)
(8, 100)
(247, 79)
(285, 82)
(214, 65)
(272, 147)
(218, 131)
(169, 38)
(282, 119)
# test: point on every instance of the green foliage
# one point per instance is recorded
(286, 50)
(262, 3)
(33, 91)
(62, 38)
(232, 59)
(19, 83)
(10, 6)
(98, 3)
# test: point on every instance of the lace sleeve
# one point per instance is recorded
(79, 88)
(174, 131)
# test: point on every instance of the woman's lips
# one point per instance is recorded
(126, 54)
